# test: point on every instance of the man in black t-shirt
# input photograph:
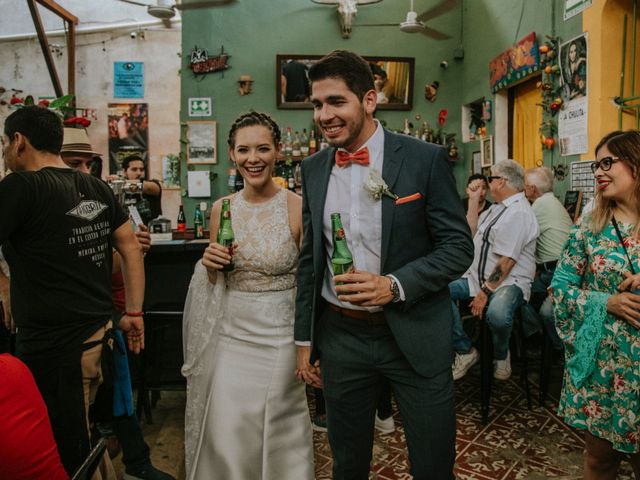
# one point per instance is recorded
(150, 206)
(57, 230)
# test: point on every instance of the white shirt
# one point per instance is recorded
(514, 236)
(361, 217)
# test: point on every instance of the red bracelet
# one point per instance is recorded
(134, 314)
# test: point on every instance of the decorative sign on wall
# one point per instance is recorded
(128, 79)
(574, 7)
(202, 63)
(199, 106)
(514, 64)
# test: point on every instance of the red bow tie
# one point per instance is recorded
(344, 158)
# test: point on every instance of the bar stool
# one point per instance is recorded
(486, 361)
(161, 359)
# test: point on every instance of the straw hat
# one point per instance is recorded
(245, 78)
(76, 140)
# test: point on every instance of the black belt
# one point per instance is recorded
(373, 318)
(548, 266)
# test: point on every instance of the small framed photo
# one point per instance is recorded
(476, 163)
(201, 142)
(486, 151)
(170, 172)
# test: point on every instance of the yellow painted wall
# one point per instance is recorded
(604, 23)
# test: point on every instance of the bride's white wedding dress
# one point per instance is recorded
(247, 416)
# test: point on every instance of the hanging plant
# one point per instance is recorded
(477, 123)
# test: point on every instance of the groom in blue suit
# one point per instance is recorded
(391, 318)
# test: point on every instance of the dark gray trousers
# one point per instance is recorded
(355, 359)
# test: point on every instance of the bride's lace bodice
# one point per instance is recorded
(267, 254)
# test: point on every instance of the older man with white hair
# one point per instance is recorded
(554, 223)
(502, 271)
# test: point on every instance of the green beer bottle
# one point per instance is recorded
(198, 223)
(225, 231)
(341, 259)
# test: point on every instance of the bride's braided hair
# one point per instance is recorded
(251, 119)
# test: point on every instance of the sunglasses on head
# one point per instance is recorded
(604, 164)
(491, 178)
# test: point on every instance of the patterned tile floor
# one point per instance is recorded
(517, 443)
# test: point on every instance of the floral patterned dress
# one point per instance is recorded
(602, 376)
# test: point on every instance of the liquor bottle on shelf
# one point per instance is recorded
(182, 220)
(313, 145)
(406, 129)
(304, 143)
(231, 182)
(295, 146)
(323, 143)
(225, 235)
(198, 223)
(341, 258)
(239, 182)
(288, 143)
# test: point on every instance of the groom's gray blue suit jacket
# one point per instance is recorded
(426, 243)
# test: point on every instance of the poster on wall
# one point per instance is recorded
(582, 180)
(573, 118)
(573, 67)
(128, 80)
(128, 125)
(574, 7)
(572, 127)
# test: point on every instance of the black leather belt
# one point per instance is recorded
(548, 266)
(373, 318)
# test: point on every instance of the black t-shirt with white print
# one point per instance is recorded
(56, 227)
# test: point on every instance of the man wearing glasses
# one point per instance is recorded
(499, 279)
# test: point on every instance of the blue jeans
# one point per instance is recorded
(502, 306)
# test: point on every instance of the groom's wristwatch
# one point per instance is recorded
(395, 290)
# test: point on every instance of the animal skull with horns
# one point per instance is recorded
(347, 10)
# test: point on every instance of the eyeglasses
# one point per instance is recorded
(603, 164)
(491, 178)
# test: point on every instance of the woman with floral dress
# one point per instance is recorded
(598, 315)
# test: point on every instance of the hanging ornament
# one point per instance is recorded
(430, 91)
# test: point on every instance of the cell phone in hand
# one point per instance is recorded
(135, 216)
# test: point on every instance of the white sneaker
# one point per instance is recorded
(502, 368)
(463, 362)
(385, 426)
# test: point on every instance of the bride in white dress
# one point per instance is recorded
(247, 416)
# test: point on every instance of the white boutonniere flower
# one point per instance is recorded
(375, 185)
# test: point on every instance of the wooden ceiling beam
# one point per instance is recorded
(59, 11)
(70, 23)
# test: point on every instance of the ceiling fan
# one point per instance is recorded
(415, 23)
(166, 9)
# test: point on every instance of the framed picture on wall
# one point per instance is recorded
(486, 151)
(476, 162)
(201, 142)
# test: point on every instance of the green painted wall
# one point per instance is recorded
(254, 31)
(489, 28)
